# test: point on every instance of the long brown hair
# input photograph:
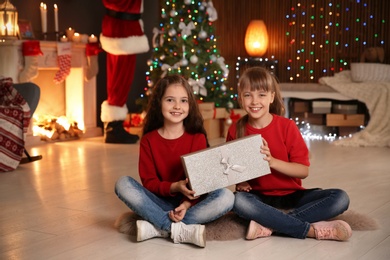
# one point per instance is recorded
(154, 119)
(258, 78)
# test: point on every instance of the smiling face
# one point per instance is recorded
(256, 102)
(174, 104)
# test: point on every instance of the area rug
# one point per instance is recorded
(231, 227)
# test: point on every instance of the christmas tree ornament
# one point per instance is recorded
(172, 13)
(172, 32)
(228, 121)
(186, 29)
(202, 34)
(149, 62)
(223, 88)
(221, 62)
(194, 59)
(187, 2)
(157, 41)
(184, 62)
(162, 57)
(230, 105)
(213, 58)
(212, 12)
(198, 86)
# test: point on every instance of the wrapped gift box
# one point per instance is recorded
(135, 130)
(344, 109)
(209, 111)
(313, 119)
(321, 107)
(213, 128)
(301, 106)
(226, 164)
(344, 120)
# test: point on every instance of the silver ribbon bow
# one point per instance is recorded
(157, 32)
(221, 62)
(213, 16)
(198, 86)
(186, 29)
(165, 67)
(228, 166)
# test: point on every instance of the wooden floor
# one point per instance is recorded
(64, 207)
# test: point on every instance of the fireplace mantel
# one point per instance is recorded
(80, 94)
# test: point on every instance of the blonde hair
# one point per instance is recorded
(258, 78)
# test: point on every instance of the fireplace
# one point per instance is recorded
(74, 98)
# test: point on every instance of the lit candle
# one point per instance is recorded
(2, 25)
(92, 38)
(44, 17)
(63, 38)
(56, 17)
(69, 33)
(84, 38)
(76, 37)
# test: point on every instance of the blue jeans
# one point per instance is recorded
(313, 206)
(155, 208)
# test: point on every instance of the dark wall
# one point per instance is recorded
(85, 17)
(234, 17)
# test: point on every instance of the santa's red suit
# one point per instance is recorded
(122, 38)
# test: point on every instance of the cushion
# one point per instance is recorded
(363, 72)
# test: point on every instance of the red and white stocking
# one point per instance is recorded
(31, 50)
(92, 68)
(64, 53)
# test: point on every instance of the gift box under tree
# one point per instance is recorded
(214, 119)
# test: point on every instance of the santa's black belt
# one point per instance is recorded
(123, 15)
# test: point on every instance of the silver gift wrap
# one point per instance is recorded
(226, 164)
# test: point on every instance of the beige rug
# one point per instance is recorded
(231, 227)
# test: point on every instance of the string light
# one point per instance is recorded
(332, 17)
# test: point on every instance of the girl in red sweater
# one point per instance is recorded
(173, 127)
(277, 202)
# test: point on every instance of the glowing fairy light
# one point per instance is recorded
(327, 16)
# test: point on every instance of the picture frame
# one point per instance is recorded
(25, 30)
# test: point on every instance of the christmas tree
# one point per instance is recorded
(185, 44)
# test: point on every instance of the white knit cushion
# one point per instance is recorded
(363, 72)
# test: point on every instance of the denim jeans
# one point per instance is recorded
(155, 208)
(314, 206)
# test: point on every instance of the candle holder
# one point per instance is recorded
(8, 21)
(51, 36)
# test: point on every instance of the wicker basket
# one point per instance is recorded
(362, 72)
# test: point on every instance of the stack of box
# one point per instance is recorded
(214, 119)
(346, 109)
(321, 107)
(301, 110)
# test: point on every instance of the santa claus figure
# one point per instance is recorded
(122, 38)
